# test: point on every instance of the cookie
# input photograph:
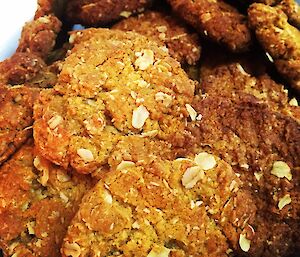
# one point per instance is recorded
(183, 45)
(130, 87)
(138, 211)
(16, 118)
(39, 36)
(95, 12)
(279, 39)
(215, 20)
(20, 67)
(38, 200)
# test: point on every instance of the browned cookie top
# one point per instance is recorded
(216, 20)
(16, 118)
(38, 36)
(99, 12)
(183, 45)
(113, 84)
(280, 39)
(38, 200)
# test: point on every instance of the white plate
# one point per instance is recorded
(13, 15)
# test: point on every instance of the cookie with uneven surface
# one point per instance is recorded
(280, 39)
(20, 67)
(262, 146)
(39, 36)
(233, 80)
(95, 12)
(112, 84)
(16, 118)
(183, 45)
(38, 200)
(289, 7)
(258, 142)
(158, 211)
(215, 20)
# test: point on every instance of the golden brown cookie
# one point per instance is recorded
(139, 211)
(16, 118)
(96, 12)
(183, 45)
(215, 20)
(38, 200)
(280, 39)
(112, 84)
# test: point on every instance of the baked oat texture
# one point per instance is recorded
(39, 36)
(140, 210)
(47, 7)
(259, 143)
(99, 12)
(280, 39)
(20, 67)
(183, 45)
(131, 87)
(16, 118)
(215, 20)
(289, 7)
(38, 200)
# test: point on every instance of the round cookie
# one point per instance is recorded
(113, 84)
(38, 201)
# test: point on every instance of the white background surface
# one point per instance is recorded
(13, 15)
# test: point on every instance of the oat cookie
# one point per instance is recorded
(183, 45)
(16, 118)
(130, 87)
(20, 67)
(215, 20)
(280, 39)
(96, 12)
(38, 200)
(38, 36)
(137, 211)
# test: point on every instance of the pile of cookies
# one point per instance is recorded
(162, 129)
